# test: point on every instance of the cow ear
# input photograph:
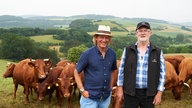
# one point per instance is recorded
(31, 64)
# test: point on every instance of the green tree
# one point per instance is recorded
(75, 52)
(179, 38)
(16, 47)
(83, 24)
(119, 53)
(19, 47)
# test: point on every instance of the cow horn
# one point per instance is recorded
(32, 59)
(45, 59)
(188, 87)
(114, 87)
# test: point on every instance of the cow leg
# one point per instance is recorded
(15, 89)
(31, 90)
(74, 89)
(190, 84)
(59, 98)
(50, 96)
(69, 101)
(26, 93)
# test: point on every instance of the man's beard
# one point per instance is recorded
(143, 40)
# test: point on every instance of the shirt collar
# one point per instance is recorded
(148, 46)
(97, 49)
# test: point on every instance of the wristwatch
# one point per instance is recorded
(81, 90)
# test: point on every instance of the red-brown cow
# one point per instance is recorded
(9, 70)
(63, 63)
(115, 101)
(26, 73)
(66, 82)
(185, 69)
(47, 86)
(172, 81)
(64, 88)
(175, 61)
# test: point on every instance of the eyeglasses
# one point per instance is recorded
(104, 37)
(143, 31)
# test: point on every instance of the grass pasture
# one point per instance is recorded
(7, 90)
(45, 39)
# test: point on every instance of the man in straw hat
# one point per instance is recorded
(142, 71)
(98, 64)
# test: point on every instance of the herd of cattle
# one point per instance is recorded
(44, 78)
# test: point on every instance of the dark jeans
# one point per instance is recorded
(140, 100)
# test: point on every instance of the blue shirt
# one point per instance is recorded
(97, 71)
(142, 69)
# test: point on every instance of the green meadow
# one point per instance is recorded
(7, 91)
(45, 39)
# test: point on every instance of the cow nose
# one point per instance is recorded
(67, 95)
(42, 76)
(41, 98)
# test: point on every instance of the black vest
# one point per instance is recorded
(130, 69)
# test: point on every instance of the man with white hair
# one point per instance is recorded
(98, 64)
(142, 71)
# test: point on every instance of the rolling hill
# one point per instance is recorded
(159, 27)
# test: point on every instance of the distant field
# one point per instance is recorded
(184, 54)
(114, 34)
(45, 38)
(7, 101)
(171, 31)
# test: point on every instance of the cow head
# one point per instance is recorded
(43, 89)
(48, 65)
(177, 90)
(39, 68)
(64, 85)
(9, 70)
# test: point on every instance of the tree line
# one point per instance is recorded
(16, 44)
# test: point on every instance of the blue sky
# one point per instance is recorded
(169, 10)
